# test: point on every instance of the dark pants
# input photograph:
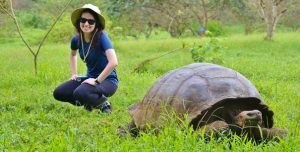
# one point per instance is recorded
(84, 94)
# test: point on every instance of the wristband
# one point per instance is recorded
(97, 81)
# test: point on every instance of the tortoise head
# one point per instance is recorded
(251, 118)
(239, 112)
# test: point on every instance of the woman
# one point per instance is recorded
(96, 51)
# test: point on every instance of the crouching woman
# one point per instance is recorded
(96, 51)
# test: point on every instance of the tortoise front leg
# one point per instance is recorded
(131, 128)
(272, 133)
(215, 128)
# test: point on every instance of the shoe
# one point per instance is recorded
(88, 108)
(106, 107)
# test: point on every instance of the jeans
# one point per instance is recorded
(84, 94)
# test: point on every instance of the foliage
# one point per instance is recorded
(34, 20)
(290, 18)
(63, 31)
(271, 12)
(215, 28)
(174, 17)
(5, 5)
(11, 13)
(207, 52)
(243, 10)
(139, 19)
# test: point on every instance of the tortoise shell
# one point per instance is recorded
(196, 90)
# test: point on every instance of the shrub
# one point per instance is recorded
(34, 20)
(215, 28)
(209, 52)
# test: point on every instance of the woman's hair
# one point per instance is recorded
(98, 27)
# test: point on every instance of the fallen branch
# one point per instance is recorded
(142, 64)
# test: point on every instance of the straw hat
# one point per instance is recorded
(76, 14)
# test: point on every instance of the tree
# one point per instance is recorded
(127, 17)
(170, 15)
(291, 17)
(271, 11)
(174, 16)
(11, 13)
(243, 10)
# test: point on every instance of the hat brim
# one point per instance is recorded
(77, 13)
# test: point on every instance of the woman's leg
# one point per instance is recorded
(94, 96)
(64, 92)
(107, 88)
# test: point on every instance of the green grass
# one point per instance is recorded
(31, 120)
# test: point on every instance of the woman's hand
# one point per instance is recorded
(90, 81)
(73, 77)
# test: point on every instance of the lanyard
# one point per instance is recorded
(88, 51)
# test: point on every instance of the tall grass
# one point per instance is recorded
(31, 120)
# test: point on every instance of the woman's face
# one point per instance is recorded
(87, 22)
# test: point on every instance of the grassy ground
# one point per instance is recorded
(31, 120)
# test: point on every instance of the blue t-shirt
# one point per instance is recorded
(96, 59)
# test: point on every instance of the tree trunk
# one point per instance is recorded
(205, 22)
(148, 31)
(269, 31)
(271, 12)
(248, 29)
(35, 61)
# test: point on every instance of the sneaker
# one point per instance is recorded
(106, 107)
(88, 108)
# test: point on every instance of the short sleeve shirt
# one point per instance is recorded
(96, 59)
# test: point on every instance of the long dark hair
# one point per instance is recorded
(98, 27)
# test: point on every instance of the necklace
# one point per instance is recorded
(88, 51)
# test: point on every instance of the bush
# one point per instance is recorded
(34, 20)
(209, 52)
(215, 28)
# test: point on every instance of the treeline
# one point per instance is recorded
(180, 16)
(177, 17)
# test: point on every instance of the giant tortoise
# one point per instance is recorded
(212, 97)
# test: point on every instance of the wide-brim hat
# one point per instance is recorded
(77, 13)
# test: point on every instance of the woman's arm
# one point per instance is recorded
(112, 63)
(73, 63)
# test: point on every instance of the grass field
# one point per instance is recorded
(31, 119)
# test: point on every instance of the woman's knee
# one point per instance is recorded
(58, 94)
(78, 95)
(81, 94)
(86, 94)
(62, 95)
(107, 88)
(64, 91)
